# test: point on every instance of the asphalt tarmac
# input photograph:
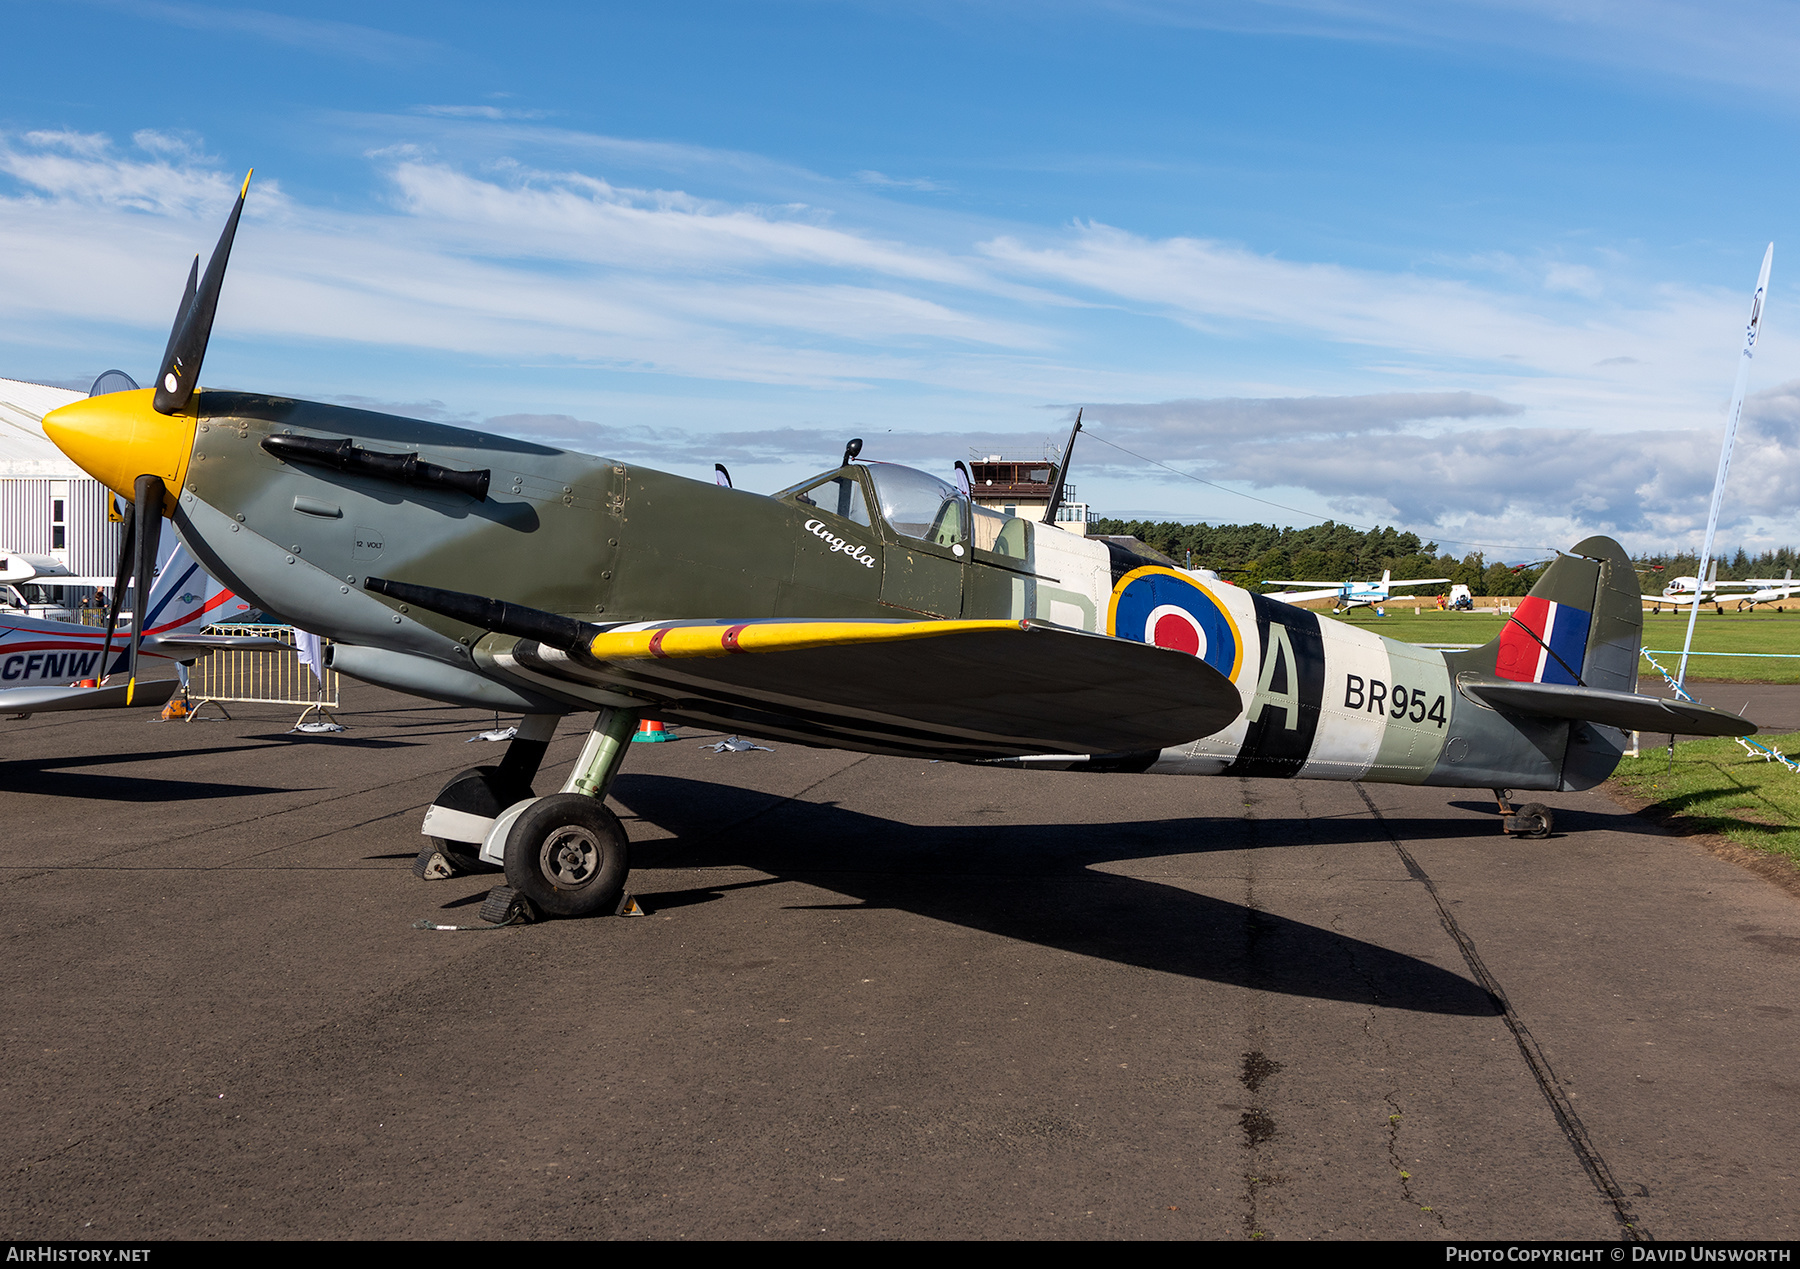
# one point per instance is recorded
(874, 998)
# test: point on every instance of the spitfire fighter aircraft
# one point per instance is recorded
(1348, 595)
(872, 607)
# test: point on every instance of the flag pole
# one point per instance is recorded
(1751, 330)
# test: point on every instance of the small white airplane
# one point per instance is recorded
(1748, 593)
(1348, 595)
(48, 666)
(1771, 591)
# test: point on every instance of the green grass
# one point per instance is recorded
(1765, 630)
(1714, 786)
(1427, 627)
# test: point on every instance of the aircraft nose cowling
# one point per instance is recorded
(118, 437)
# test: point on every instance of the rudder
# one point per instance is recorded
(1581, 625)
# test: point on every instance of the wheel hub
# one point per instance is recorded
(570, 857)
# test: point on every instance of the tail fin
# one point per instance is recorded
(1581, 625)
(184, 598)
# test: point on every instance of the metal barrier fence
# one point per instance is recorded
(266, 676)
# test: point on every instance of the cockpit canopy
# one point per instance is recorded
(914, 504)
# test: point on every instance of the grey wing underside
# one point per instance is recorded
(47, 700)
(979, 694)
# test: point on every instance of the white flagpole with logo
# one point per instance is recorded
(1751, 330)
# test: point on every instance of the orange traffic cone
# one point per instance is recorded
(650, 731)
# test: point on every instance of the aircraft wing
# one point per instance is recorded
(48, 700)
(1301, 596)
(936, 688)
(940, 689)
(1625, 710)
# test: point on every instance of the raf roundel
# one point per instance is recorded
(1161, 607)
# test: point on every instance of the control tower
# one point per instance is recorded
(1023, 487)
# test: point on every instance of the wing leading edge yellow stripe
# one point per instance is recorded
(772, 636)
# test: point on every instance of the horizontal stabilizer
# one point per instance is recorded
(49, 700)
(187, 647)
(1625, 710)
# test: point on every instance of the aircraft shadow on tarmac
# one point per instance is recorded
(51, 778)
(1038, 883)
(332, 738)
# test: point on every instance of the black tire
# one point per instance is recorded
(568, 855)
(1539, 812)
(483, 791)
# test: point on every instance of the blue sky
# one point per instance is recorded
(1476, 267)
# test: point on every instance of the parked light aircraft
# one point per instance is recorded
(1348, 595)
(872, 607)
(44, 664)
(1770, 591)
(1750, 592)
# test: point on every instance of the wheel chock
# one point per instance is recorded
(628, 907)
(432, 866)
(506, 906)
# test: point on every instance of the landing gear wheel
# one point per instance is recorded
(483, 791)
(1533, 819)
(568, 855)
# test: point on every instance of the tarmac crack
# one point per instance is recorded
(1561, 1107)
(1255, 1122)
(1406, 1178)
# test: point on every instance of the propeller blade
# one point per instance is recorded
(180, 370)
(181, 315)
(121, 576)
(149, 491)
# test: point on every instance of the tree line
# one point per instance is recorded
(1658, 569)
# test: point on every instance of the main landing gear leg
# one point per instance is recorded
(459, 817)
(566, 855)
(1531, 820)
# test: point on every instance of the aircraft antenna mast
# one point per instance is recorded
(1062, 472)
(1751, 329)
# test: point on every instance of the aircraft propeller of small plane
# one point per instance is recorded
(872, 607)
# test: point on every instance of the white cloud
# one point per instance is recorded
(1566, 393)
(344, 40)
(1183, 429)
(1749, 46)
(480, 112)
(1361, 460)
(892, 182)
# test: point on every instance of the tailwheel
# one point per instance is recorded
(568, 855)
(1533, 819)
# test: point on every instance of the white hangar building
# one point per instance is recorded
(50, 510)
